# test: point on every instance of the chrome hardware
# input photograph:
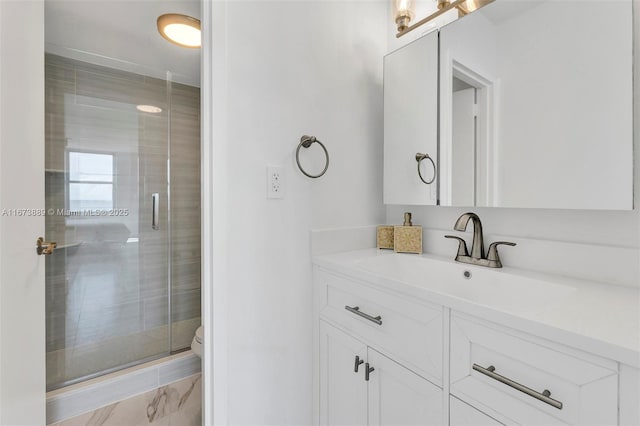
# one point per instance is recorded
(419, 158)
(306, 142)
(462, 246)
(477, 247)
(45, 247)
(493, 255)
(155, 211)
(367, 371)
(357, 363)
(356, 310)
(545, 396)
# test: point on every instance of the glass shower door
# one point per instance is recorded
(107, 198)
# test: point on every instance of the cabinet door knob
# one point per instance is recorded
(357, 364)
(367, 371)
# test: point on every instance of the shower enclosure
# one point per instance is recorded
(122, 177)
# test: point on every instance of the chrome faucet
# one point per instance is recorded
(477, 246)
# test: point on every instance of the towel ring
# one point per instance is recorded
(306, 142)
(419, 158)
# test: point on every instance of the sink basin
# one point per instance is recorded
(499, 288)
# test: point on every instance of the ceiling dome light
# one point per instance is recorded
(149, 108)
(179, 29)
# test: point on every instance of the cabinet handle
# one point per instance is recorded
(367, 371)
(357, 364)
(545, 396)
(356, 310)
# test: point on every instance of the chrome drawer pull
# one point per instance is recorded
(545, 396)
(356, 310)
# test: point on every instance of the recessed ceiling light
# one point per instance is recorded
(179, 29)
(149, 108)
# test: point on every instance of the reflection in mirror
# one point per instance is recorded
(536, 106)
(463, 152)
(411, 122)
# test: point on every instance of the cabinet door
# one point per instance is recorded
(343, 392)
(411, 121)
(398, 396)
(462, 414)
(629, 396)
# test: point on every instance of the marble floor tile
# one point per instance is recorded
(176, 404)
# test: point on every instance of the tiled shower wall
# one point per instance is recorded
(109, 303)
(185, 213)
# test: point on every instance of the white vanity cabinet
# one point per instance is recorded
(388, 394)
(406, 330)
(398, 340)
(437, 364)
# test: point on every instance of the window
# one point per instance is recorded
(90, 181)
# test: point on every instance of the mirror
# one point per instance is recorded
(411, 122)
(536, 106)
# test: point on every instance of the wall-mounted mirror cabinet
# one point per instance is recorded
(535, 107)
(411, 122)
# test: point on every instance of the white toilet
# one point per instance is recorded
(196, 343)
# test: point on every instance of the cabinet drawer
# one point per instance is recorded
(507, 373)
(403, 329)
(462, 414)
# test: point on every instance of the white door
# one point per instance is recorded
(463, 148)
(22, 309)
(343, 391)
(399, 397)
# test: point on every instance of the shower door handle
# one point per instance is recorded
(155, 211)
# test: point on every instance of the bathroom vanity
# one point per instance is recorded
(405, 339)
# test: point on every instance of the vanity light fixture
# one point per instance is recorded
(464, 7)
(471, 5)
(180, 29)
(149, 108)
(404, 12)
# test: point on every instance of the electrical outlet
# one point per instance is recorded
(275, 182)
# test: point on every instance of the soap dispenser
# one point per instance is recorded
(407, 238)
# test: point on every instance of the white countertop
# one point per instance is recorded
(600, 318)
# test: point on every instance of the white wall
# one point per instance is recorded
(290, 68)
(606, 228)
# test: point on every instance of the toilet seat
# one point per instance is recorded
(196, 344)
